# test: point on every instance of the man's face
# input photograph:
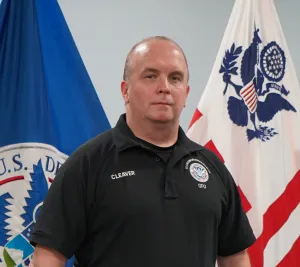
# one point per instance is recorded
(156, 88)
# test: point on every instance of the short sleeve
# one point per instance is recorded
(61, 223)
(235, 232)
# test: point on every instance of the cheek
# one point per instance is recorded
(179, 97)
(139, 97)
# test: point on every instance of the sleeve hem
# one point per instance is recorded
(238, 248)
(39, 239)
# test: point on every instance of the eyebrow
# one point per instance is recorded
(150, 70)
(177, 72)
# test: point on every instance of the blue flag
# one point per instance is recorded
(48, 108)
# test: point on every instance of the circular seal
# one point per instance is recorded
(273, 61)
(199, 172)
(26, 173)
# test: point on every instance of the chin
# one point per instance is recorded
(161, 118)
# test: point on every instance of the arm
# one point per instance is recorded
(46, 257)
(61, 223)
(240, 259)
(235, 234)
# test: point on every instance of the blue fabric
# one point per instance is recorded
(46, 94)
(47, 97)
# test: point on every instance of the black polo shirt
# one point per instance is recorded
(117, 202)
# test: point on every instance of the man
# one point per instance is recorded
(142, 193)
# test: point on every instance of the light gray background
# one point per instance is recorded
(104, 31)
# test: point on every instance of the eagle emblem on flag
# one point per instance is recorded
(261, 95)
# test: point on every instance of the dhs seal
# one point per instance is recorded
(26, 173)
(198, 170)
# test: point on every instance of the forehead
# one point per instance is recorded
(158, 54)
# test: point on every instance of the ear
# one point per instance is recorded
(187, 93)
(124, 90)
(187, 90)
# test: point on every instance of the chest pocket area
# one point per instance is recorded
(132, 193)
(201, 192)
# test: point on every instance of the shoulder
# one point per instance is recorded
(91, 154)
(191, 146)
(98, 145)
(211, 156)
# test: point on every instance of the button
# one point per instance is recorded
(157, 159)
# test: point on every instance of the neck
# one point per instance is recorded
(159, 134)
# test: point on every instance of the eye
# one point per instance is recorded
(150, 76)
(176, 78)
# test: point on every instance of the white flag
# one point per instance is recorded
(249, 115)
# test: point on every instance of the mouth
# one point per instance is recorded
(162, 103)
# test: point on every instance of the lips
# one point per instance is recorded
(162, 103)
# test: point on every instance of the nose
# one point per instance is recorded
(163, 86)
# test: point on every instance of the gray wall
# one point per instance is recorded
(104, 31)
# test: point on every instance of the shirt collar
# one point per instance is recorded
(124, 138)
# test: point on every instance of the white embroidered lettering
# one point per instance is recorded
(122, 174)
